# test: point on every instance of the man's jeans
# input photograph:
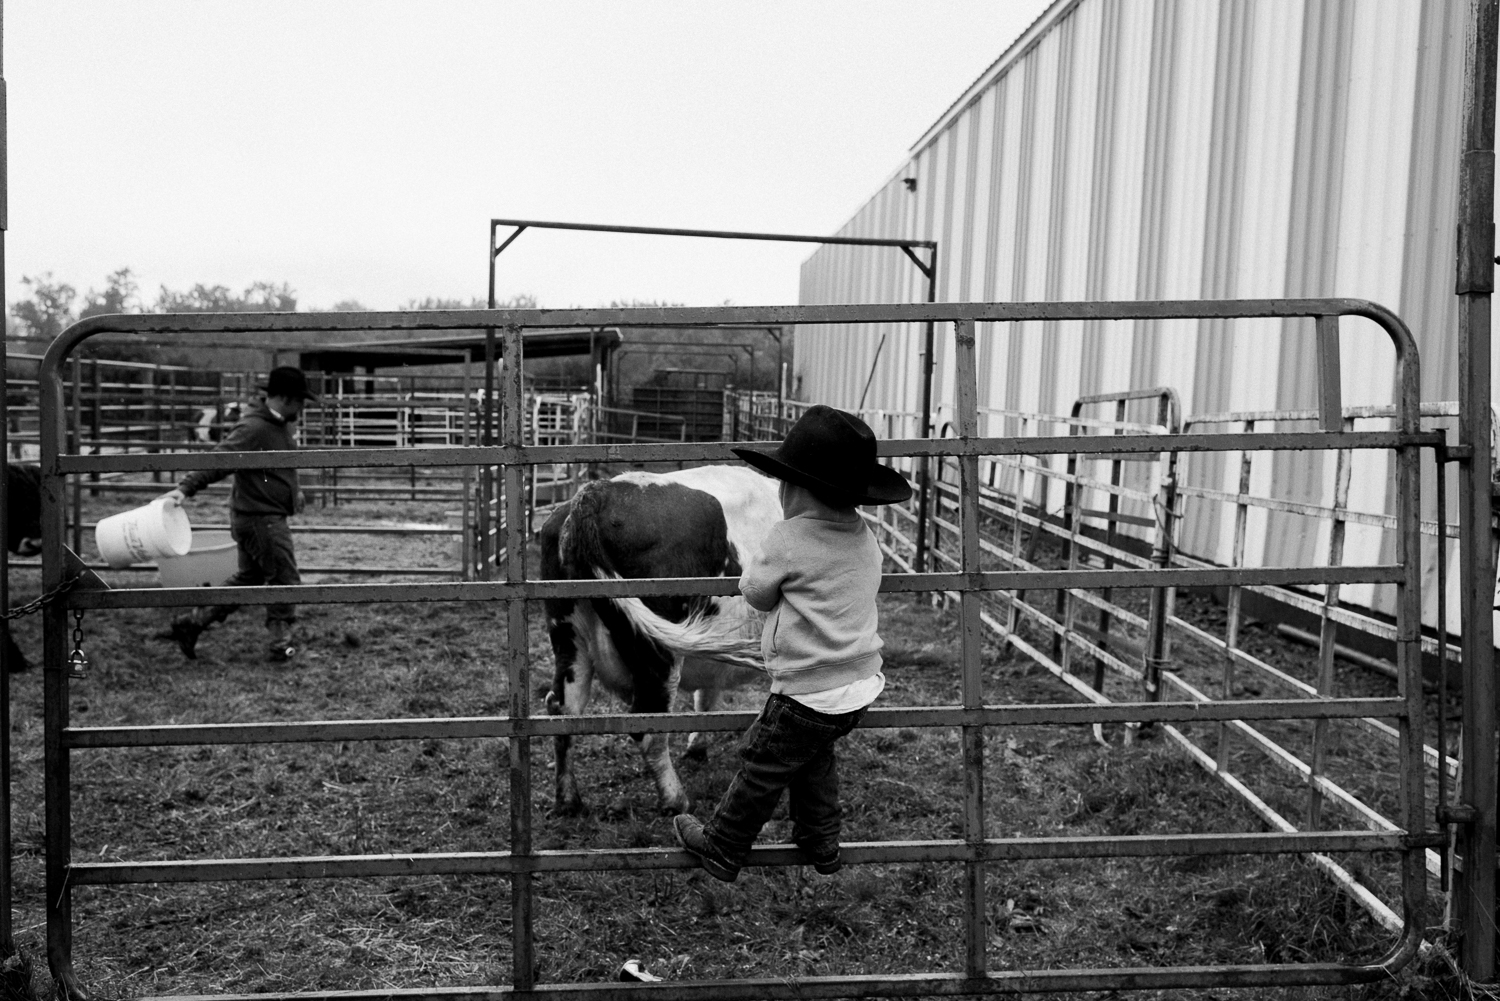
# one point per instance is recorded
(789, 746)
(266, 557)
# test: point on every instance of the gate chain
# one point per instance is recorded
(78, 661)
(37, 604)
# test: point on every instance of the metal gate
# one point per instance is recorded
(969, 971)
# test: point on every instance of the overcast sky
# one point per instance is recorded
(358, 150)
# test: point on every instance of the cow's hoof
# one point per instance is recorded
(569, 803)
(681, 804)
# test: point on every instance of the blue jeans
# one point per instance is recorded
(789, 746)
(266, 557)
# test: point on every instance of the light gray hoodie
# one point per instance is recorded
(817, 575)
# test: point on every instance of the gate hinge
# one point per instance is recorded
(1460, 814)
(1460, 453)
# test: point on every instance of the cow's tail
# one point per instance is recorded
(579, 548)
(715, 637)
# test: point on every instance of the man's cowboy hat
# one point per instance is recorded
(288, 383)
(832, 453)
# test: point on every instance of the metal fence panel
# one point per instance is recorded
(967, 578)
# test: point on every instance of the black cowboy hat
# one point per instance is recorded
(832, 453)
(288, 383)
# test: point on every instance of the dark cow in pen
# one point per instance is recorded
(23, 491)
(703, 522)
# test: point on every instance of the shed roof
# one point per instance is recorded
(455, 348)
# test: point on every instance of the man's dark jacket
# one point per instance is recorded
(256, 491)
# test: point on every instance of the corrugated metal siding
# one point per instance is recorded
(1176, 149)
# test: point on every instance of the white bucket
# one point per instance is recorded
(143, 534)
(211, 561)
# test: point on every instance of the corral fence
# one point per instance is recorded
(120, 407)
(963, 574)
(1091, 512)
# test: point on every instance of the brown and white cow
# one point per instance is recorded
(702, 522)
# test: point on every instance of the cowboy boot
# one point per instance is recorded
(281, 648)
(185, 630)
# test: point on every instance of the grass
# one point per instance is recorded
(395, 660)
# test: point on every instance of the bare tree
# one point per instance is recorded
(49, 310)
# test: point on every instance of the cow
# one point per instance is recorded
(211, 424)
(23, 491)
(701, 522)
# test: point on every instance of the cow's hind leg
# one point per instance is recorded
(571, 686)
(657, 698)
(705, 700)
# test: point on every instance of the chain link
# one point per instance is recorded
(78, 661)
(37, 604)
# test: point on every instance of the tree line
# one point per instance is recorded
(51, 305)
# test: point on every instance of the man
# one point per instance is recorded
(259, 505)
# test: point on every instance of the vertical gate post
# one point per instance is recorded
(1330, 384)
(924, 482)
(486, 470)
(56, 777)
(1412, 725)
(468, 537)
(1475, 284)
(1159, 605)
(966, 388)
(1328, 628)
(7, 942)
(518, 667)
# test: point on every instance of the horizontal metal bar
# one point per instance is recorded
(1385, 521)
(1447, 408)
(639, 859)
(1289, 762)
(347, 529)
(902, 985)
(1345, 880)
(1004, 580)
(460, 455)
(686, 722)
(288, 324)
(363, 571)
(716, 234)
(1313, 604)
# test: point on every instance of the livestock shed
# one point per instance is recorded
(1166, 150)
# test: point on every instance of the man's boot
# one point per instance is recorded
(184, 632)
(281, 647)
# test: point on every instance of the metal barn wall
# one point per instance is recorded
(1178, 149)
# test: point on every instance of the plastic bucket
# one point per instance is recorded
(143, 534)
(211, 561)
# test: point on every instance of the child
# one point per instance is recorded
(817, 575)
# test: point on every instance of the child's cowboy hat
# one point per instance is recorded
(832, 453)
